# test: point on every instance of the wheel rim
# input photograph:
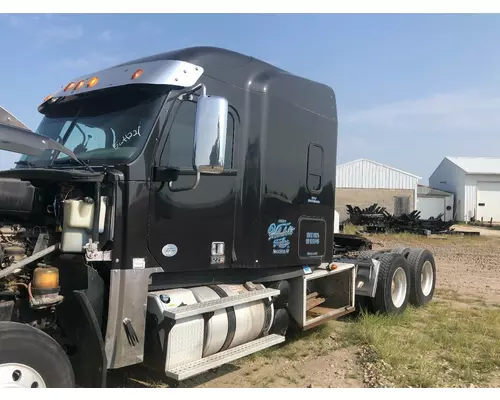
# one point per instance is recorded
(426, 278)
(19, 376)
(398, 287)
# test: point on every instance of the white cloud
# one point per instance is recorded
(76, 63)
(84, 64)
(416, 134)
(14, 20)
(151, 29)
(52, 28)
(8, 159)
(59, 33)
(19, 21)
(453, 112)
(105, 36)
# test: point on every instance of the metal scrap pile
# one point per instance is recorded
(412, 223)
(372, 215)
(377, 219)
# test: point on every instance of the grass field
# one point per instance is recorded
(449, 343)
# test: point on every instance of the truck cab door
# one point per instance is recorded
(191, 229)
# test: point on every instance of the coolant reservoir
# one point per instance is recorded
(79, 213)
(78, 222)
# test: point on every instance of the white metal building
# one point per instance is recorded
(432, 202)
(365, 182)
(475, 182)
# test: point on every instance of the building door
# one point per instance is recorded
(401, 206)
(431, 207)
(488, 201)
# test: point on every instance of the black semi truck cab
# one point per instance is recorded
(178, 211)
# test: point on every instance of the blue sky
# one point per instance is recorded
(411, 89)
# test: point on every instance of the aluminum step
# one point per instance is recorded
(214, 305)
(197, 367)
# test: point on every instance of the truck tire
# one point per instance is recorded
(368, 254)
(404, 251)
(393, 284)
(29, 358)
(422, 276)
(363, 305)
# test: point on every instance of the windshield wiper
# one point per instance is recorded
(73, 161)
(24, 162)
(70, 161)
(69, 152)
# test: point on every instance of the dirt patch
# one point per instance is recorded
(484, 231)
(338, 369)
(468, 265)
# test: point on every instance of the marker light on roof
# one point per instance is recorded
(79, 85)
(137, 73)
(94, 81)
(69, 86)
(47, 98)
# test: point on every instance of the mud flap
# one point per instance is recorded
(89, 362)
(94, 367)
(366, 277)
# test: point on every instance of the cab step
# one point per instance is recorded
(214, 305)
(205, 364)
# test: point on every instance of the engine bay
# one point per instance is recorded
(38, 223)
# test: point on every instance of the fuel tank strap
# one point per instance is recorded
(231, 318)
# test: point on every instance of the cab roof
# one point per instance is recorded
(254, 75)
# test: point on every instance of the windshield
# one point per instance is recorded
(103, 129)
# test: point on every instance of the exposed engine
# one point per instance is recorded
(28, 239)
(31, 287)
(16, 243)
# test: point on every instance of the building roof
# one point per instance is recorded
(423, 190)
(477, 165)
(379, 164)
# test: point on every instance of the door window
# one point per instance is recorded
(178, 152)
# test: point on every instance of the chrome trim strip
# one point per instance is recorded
(163, 72)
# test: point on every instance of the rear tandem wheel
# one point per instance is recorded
(413, 281)
(404, 251)
(393, 284)
(422, 276)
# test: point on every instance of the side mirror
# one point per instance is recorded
(210, 134)
(165, 174)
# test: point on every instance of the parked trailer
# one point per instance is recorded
(176, 211)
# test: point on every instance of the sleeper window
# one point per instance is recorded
(315, 168)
